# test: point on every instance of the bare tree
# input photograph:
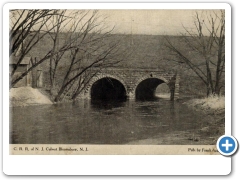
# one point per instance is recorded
(202, 49)
(85, 62)
(84, 42)
(88, 44)
(26, 30)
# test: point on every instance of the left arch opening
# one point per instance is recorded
(146, 89)
(108, 89)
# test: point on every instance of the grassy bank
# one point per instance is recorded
(214, 107)
(211, 104)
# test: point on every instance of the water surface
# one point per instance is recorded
(96, 122)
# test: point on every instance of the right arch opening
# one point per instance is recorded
(163, 91)
(146, 90)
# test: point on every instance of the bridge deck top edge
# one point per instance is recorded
(135, 69)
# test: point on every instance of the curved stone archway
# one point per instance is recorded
(131, 78)
(102, 76)
(145, 87)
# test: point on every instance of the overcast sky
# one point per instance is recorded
(150, 21)
(155, 22)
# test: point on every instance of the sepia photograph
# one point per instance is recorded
(87, 77)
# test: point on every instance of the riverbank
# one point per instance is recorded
(27, 96)
(214, 107)
(208, 131)
(212, 104)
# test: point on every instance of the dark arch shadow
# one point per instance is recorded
(108, 89)
(145, 90)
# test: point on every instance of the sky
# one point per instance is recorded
(163, 22)
(152, 22)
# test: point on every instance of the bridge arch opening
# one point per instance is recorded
(152, 88)
(108, 88)
(163, 91)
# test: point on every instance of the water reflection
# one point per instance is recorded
(101, 122)
(107, 104)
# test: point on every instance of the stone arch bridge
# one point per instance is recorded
(131, 83)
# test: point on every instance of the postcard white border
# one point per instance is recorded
(111, 164)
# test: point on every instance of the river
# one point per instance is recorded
(157, 121)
